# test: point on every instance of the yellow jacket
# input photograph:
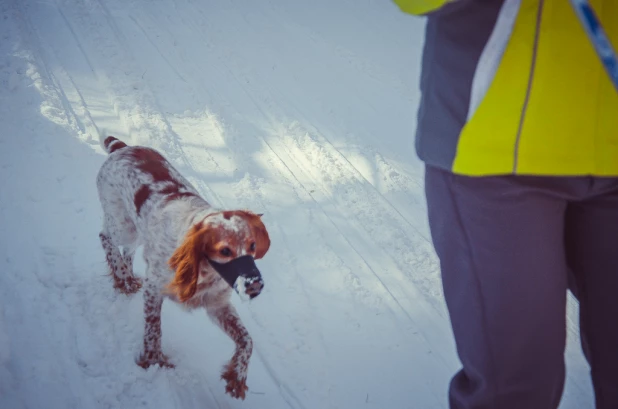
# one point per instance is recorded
(515, 87)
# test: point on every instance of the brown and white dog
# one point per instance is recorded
(147, 202)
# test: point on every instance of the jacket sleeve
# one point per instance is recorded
(420, 7)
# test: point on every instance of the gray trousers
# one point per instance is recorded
(510, 247)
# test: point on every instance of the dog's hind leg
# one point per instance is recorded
(121, 266)
(127, 255)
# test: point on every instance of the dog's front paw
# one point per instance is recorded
(148, 359)
(236, 385)
(128, 285)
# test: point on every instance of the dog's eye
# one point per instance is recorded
(252, 247)
(225, 252)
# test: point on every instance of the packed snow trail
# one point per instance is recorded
(301, 110)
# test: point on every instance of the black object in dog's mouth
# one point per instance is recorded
(244, 268)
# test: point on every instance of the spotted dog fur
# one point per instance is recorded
(146, 202)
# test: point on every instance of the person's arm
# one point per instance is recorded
(420, 7)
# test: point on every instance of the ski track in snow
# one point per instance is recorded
(302, 111)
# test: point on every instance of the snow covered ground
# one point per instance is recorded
(302, 110)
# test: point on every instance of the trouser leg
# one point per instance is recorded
(592, 253)
(500, 241)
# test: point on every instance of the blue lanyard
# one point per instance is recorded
(599, 39)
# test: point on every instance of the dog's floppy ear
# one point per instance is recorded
(262, 240)
(186, 263)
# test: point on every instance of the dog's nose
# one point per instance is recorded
(255, 288)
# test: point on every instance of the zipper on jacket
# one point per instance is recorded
(524, 109)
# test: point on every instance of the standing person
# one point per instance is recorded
(518, 128)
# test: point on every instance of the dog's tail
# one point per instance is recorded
(111, 143)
